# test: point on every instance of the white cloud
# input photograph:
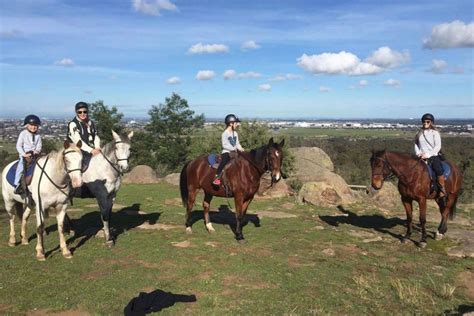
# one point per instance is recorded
(449, 35)
(205, 75)
(438, 66)
(229, 74)
(232, 74)
(265, 87)
(385, 57)
(288, 76)
(65, 62)
(200, 48)
(393, 83)
(324, 89)
(153, 7)
(173, 80)
(337, 64)
(248, 45)
(13, 33)
(249, 74)
(363, 83)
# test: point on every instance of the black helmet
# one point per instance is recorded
(32, 119)
(81, 105)
(231, 118)
(427, 116)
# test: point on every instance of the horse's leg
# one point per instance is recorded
(408, 204)
(10, 206)
(422, 204)
(61, 209)
(106, 210)
(444, 209)
(189, 207)
(240, 208)
(39, 234)
(24, 221)
(206, 204)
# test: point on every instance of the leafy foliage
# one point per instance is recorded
(106, 119)
(171, 127)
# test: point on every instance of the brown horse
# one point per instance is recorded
(414, 185)
(241, 180)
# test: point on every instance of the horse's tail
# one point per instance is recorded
(183, 184)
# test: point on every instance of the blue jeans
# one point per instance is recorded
(19, 170)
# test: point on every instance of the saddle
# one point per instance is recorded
(214, 159)
(434, 186)
(26, 177)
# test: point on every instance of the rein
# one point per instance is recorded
(393, 172)
(114, 165)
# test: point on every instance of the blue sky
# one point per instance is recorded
(285, 59)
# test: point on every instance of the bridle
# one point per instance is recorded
(115, 166)
(393, 173)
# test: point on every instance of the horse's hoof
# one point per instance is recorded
(439, 236)
(40, 257)
(12, 244)
(403, 240)
(110, 243)
(25, 242)
(422, 244)
(210, 229)
(189, 230)
(67, 255)
(242, 241)
(71, 233)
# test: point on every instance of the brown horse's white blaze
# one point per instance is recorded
(241, 179)
(414, 185)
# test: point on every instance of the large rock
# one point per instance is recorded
(172, 178)
(279, 189)
(311, 163)
(387, 197)
(332, 190)
(141, 174)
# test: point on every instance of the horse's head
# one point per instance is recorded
(380, 168)
(274, 158)
(122, 149)
(72, 156)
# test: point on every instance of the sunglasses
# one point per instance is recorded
(81, 112)
(426, 122)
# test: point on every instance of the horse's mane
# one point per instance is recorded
(57, 157)
(380, 153)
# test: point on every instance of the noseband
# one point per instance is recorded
(386, 165)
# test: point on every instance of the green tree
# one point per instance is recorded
(171, 127)
(106, 119)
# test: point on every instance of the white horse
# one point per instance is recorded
(50, 187)
(102, 178)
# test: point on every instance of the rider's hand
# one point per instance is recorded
(95, 151)
(424, 156)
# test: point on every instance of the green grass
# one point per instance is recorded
(283, 269)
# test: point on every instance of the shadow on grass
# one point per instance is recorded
(90, 224)
(461, 310)
(146, 303)
(376, 222)
(225, 217)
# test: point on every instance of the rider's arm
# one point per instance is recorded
(417, 149)
(437, 142)
(39, 145)
(237, 145)
(19, 144)
(97, 142)
(226, 145)
(76, 137)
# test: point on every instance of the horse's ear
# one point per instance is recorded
(79, 144)
(130, 135)
(270, 141)
(282, 143)
(115, 135)
(66, 144)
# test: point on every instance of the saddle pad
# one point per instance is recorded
(214, 160)
(446, 169)
(11, 173)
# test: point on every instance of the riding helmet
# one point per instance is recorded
(32, 119)
(231, 118)
(428, 116)
(81, 105)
